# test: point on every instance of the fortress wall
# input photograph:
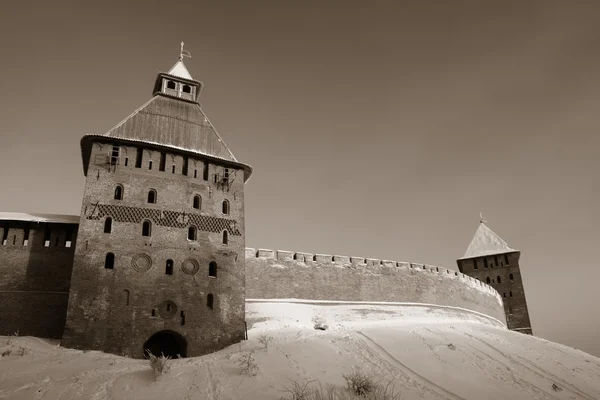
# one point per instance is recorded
(274, 274)
(35, 275)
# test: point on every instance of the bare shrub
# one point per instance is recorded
(359, 382)
(6, 353)
(298, 391)
(160, 365)
(22, 351)
(303, 392)
(265, 339)
(248, 364)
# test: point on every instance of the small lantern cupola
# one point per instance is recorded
(178, 82)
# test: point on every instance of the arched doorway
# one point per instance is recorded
(169, 343)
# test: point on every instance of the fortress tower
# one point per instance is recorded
(489, 259)
(159, 259)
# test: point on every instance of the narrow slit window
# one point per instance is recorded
(126, 161)
(475, 264)
(109, 261)
(69, 236)
(146, 228)
(504, 294)
(108, 225)
(182, 315)
(138, 157)
(26, 237)
(4, 235)
(212, 269)
(126, 295)
(153, 312)
(510, 294)
(197, 202)
(498, 279)
(496, 260)
(225, 207)
(192, 233)
(225, 238)
(114, 157)
(173, 169)
(205, 171)
(152, 196)
(184, 169)
(47, 236)
(169, 267)
(487, 280)
(485, 263)
(150, 164)
(511, 277)
(163, 161)
(506, 259)
(195, 173)
(210, 301)
(119, 192)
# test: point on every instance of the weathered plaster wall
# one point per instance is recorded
(274, 274)
(34, 277)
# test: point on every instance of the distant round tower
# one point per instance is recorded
(159, 260)
(489, 259)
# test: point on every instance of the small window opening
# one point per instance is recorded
(114, 155)
(109, 261)
(475, 263)
(205, 171)
(209, 300)
(225, 239)
(150, 164)
(225, 207)
(485, 263)
(47, 237)
(510, 294)
(108, 225)
(169, 307)
(169, 267)
(5, 236)
(126, 295)
(226, 176)
(26, 237)
(195, 173)
(212, 269)
(152, 196)
(170, 85)
(126, 161)
(498, 279)
(504, 294)
(163, 161)
(506, 259)
(69, 236)
(511, 277)
(487, 280)
(182, 315)
(184, 169)
(138, 157)
(173, 169)
(186, 89)
(192, 233)
(153, 312)
(146, 228)
(496, 260)
(119, 192)
(197, 202)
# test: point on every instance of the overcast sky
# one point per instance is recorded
(375, 129)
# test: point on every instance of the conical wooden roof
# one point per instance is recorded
(486, 243)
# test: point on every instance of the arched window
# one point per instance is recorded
(197, 202)
(119, 192)
(487, 280)
(209, 300)
(171, 85)
(212, 269)
(108, 225)
(109, 261)
(225, 238)
(225, 207)
(152, 196)
(511, 277)
(192, 233)
(498, 279)
(169, 267)
(147, 228)
(186, 89)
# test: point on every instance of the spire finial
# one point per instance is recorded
(183, 53)
(481, 219)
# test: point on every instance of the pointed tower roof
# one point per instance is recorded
(486, 243)
(172, 118)
(179, 70)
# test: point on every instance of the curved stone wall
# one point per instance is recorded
(281, 274)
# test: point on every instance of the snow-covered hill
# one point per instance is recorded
(428, 352)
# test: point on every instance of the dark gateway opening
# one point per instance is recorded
(169, 343)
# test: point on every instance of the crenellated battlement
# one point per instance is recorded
(324, 260)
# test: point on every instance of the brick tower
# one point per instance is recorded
(159, 260)
(489, 259)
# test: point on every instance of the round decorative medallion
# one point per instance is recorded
(141, 262)
(167, 309)
(190, 266)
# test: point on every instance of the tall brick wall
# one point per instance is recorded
(112, 309)
(35, 277)
(498, 269)
(282, 274)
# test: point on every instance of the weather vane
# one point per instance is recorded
(184, 53)
(481, 219)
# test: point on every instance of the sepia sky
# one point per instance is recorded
(375, 129)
